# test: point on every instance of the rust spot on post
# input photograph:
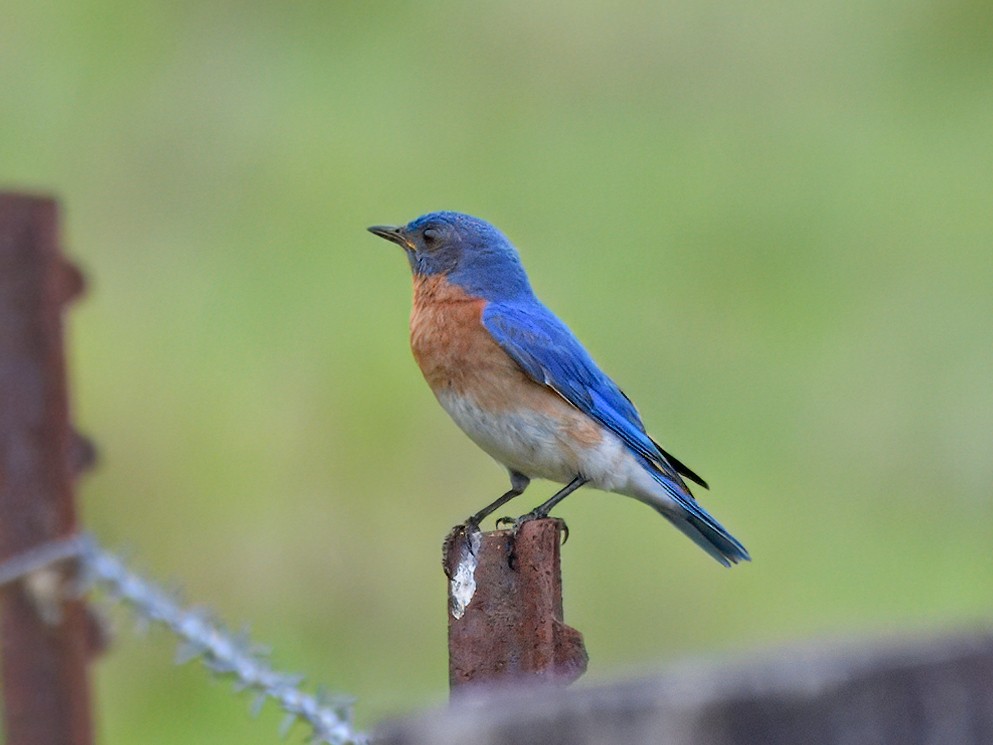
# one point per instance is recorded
(45, 686)
(512, 628)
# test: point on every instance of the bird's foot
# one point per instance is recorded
(510, 522)
(515, 524)
(460, 540)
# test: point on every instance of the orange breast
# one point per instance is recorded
(454, 350)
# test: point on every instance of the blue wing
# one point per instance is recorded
(551, 355)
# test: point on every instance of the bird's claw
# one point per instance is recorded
(564, 528)
(515, 524)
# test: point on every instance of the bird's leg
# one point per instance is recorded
(543, 509)
(518, 483)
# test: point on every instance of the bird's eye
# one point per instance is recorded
(430, 235)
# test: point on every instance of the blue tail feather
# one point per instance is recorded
(697, 524)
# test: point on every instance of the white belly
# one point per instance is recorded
(538, 446)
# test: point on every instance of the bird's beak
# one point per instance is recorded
(392, 233)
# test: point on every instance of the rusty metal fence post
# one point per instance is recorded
(43, 633)
(510, 629)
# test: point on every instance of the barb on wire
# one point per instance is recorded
(201, 636)
(222, 652)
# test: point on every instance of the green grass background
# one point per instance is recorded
(772, 223)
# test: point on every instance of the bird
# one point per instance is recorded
(520, 384)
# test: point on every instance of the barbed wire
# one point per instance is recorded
(201, 636)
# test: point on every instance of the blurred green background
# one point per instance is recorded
(772, 223)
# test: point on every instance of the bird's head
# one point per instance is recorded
(470, 252)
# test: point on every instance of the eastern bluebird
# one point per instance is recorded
(522, 387)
